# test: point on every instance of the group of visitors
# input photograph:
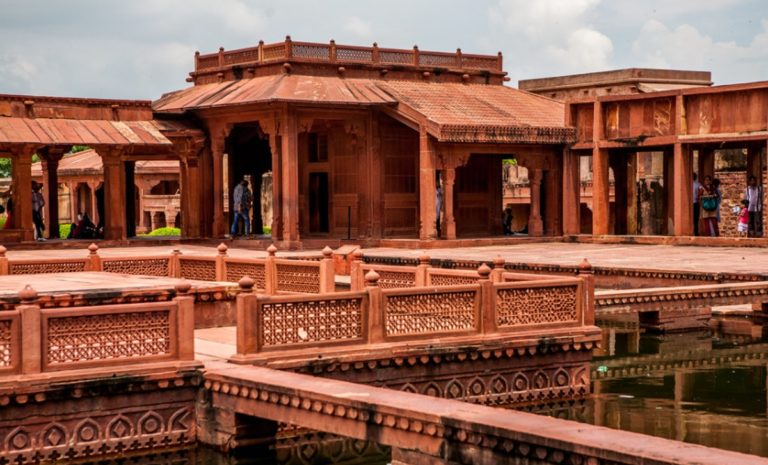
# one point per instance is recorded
(706, 208)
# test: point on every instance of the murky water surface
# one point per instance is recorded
(706, 387)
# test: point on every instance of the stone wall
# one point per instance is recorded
(732, 185)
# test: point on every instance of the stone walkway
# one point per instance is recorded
(667, 257)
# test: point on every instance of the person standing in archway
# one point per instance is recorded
(241, 203)
(754, 195)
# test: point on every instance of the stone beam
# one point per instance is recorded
(440, 431)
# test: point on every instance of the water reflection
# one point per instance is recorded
(704, 387)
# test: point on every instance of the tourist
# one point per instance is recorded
(719, 196)
(696, 189)
(85, 229)
(743, 226)
(754, 195)
(38, 202)
(507, 220)
(708, 202)
(438, 206)
(8, 209)
(241, 201)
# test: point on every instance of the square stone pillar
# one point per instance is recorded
(449, 181)
(427, 187)
(49, 161)
(114, 194)
(218, 139)
(290, 176)
(21, 174)
(276, 147)
(535, 222)
(600, 192)
(571, 192)
(191, 197)
(683, 191)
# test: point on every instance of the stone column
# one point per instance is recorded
(535, 223)
(601, 201)
(192, 191)
(73, 204)
(427, 187)
(290, 176)
(669, 192)
(275, 145)
(571, 192)
(683, 191)
(218, 139)
(114, 193)
(95, 218)
(631, 173)
(50, 163)
(21, 173)
(449, 180)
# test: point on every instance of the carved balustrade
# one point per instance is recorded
(35, 340)
(354, 320)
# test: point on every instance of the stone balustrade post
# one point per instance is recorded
(94, 260)
(377, 330)
(270, 271)
(31, 329)
(422, 271)
(174, 265)
(185, 321)
(356, 275)
(588, 292)
(497, 275)
(4, 268)
(221, 262)
(487, 316)
(327, 272)
(247, 304)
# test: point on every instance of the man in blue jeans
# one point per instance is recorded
(241, 202)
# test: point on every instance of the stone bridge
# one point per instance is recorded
(421, 431)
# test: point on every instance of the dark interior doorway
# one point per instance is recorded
(318, 203)
(249, 158)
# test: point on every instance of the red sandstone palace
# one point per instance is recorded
(375, 143)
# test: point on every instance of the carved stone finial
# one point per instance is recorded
(246, 284)
(2, 251)
(499, 262)
(424, 259)
(28, 294)
(271, 250)
(222, 248)
(357, 255)
(327, 252)
(93, 248)
(372, 278)
(484, 271)
(585, 266)
(182, 287)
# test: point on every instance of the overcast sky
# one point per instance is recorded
(143, 48)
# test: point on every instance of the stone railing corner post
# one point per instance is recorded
(376, 324)
(587, 302)
(497, 275)
(174, 265)
(270, 271)
(31, 330)
(4, 268)
(185, 321)
(422, 271)
(356, 275)
(247, 318)
(221, 262)
(327, 272)
(94, 260)
(487, 309)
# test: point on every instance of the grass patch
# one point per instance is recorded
(165, 232)
(64, 230)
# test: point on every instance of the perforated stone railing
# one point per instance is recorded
(353, 320)
(37, 341)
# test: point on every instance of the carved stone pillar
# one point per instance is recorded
(93, 204)
(21, 173)
(49, 159)
(571, 192)
(683, 193)
(275, 145)
(73, 206)
(535, 222)
(290, 176)
(218, 139)
(114, 192)
(427, 187)
(600, 192)
(449, 180)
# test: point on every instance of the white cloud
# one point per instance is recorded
(685, 47)
(358, 26)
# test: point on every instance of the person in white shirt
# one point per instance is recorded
(754, 195)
